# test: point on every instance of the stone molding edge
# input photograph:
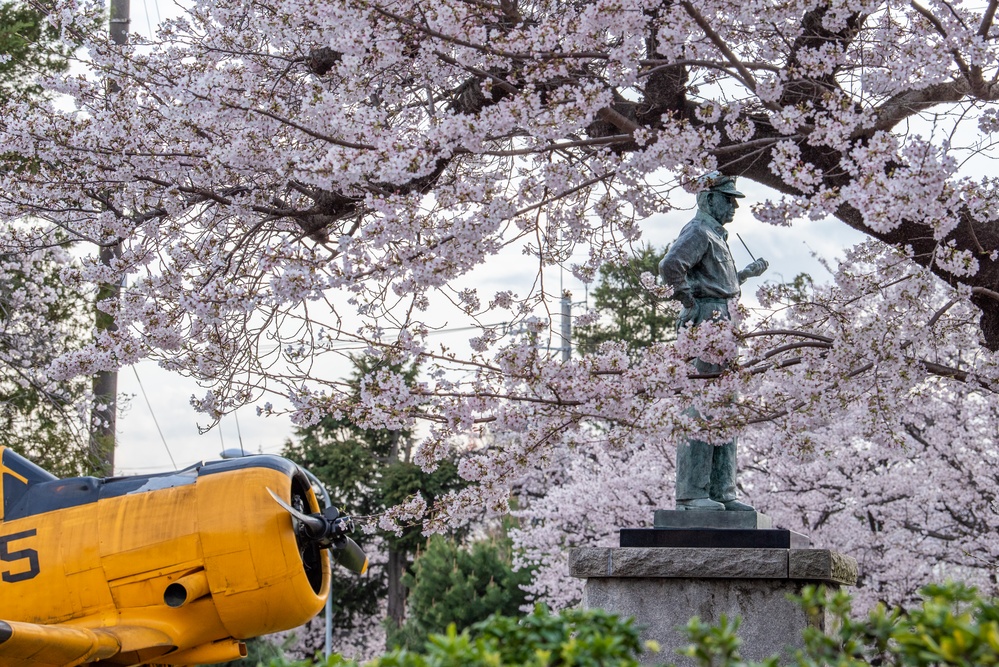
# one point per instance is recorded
(822, 565)
(812, 565)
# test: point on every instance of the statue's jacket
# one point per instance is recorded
(700, 264)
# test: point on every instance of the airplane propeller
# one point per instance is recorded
(329, 531)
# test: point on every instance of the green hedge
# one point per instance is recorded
(952, 626)
(586, 638)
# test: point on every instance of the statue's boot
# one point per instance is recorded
(700, 505)
(724, 467)
(693, 477)
(736, 506)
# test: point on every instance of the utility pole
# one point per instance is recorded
(118, 27)
(566, 325)
(103, 416)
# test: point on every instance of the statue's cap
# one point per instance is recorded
(716, 181)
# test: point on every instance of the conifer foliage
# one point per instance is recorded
(461, 585)
(366, 471)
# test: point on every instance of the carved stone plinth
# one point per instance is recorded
(688, 519)
(663, 587)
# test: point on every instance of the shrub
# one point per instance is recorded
(450, 584)
(953, 626)
(582, 638)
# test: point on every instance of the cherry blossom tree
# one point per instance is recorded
(287, 179)
(40, 318)
(922, 509)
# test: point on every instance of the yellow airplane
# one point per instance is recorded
(167, 569)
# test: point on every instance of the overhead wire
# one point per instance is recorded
(145, 11)
(239, 434)
(155, 421)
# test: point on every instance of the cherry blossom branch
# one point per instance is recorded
(599, 141)
(788, 332)
(746, 77)
(986, 292)
(298, 126)
(940, 313)
(958, 58)
(786, 348)
(542, 55)
(495, 78)
(553, 198)
(754, 144)
(908, 103)
(988, 16)
(657, 64)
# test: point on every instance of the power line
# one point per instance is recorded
(239, 433)
(155, 421)
(145, 10)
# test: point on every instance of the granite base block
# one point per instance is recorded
(806, 565)
(662, 588)
(679, 563)
(822, 565)
(771, 625)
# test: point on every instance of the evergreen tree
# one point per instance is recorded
(29, 47)
(449, 583)
(366, 471)
(629, 312)
(40, 316)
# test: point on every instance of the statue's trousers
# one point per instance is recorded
(704, 470)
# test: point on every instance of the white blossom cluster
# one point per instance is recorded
(40, 319)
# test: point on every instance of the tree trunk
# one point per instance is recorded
(396, 567)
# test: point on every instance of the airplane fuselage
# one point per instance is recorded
(177, 568)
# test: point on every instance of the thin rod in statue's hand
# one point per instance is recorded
(745, 246)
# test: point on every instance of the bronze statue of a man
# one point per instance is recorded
(700, 269)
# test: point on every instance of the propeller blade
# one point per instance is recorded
(314, 525)
(345, 550)
(351, 556)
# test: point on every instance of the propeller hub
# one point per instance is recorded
(328, 530)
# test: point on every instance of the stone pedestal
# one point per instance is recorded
(687, 519)
(663, 587)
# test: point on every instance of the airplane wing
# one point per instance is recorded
(32, 645)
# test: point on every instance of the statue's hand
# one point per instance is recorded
(756, 268)
(684, 298)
